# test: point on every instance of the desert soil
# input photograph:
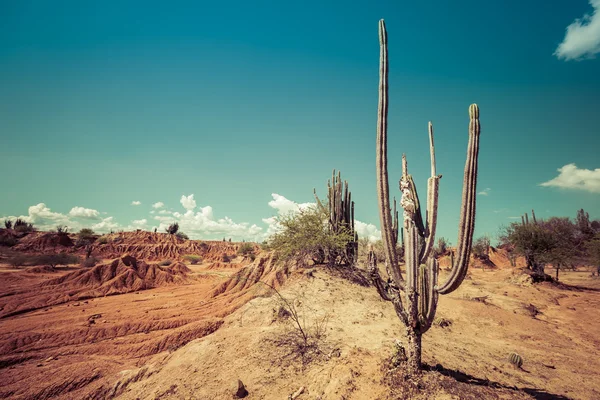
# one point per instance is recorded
(195, 336)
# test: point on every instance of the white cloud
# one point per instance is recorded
(107, 224)
(368, 231)
(81, 212)
(162, 212)
(188, 202)
(159, 204)
(571, 177)
(136, 203)
(284, 206)
(485, 192)
(139, 222)
(582, 39)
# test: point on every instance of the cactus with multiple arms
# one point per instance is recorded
(420, 290)
(341, 213)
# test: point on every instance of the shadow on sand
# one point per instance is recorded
(471, 380)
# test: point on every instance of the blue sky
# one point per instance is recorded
(249, 105)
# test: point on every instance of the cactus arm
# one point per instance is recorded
(386, 291)
(383, 196)
(431, 294)
(433, 184)
(467, 214)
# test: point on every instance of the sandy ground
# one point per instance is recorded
(183, 342)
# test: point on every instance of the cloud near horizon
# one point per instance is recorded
(136, 203)
(196, 222)
(571, 177)
(159, 204)
(582, 39)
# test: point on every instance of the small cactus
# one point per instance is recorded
(516, 360)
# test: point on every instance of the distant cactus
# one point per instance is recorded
(341, 213)
(515, 359)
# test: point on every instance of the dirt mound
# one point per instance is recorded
(40, 269)
(45, 242)
(264, 269)
(122, 275)
(161, 246)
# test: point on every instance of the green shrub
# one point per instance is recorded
(8, 224)
(45, 259)
(102, 240)
(7, 240)
(173, 228)
(182, 236)
(22, 226)
(481, 248)
(246, 249)
(165, 263)
(192, 259)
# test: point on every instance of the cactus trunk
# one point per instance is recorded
(420, 290)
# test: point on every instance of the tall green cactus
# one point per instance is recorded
(420, 290)
(341, 213)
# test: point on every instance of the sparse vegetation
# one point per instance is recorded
(165, 263)
(90, 262)
(102, 240)
(442, 246)
(62, 229)
(192, 259)
(173, 228)
(21, 226)
(306, 236)
(481, 248)
(182, 236)
(246, 250)
(8, 224)
(52, 260)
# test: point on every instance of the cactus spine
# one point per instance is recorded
(420, 290)
(341, 213)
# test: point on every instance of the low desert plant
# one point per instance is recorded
(173, 228)
(62, 229)
(21, 226)
(90, 262)
(481, 248)
(165, 263)
(8, 224)
(102, 240)
(246, 249)
(44, 259)
(182, 236)
(192, 259)
(226, 258)
(442, 246)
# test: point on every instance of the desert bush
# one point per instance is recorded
(44, 259)
(225, 258)
(192, 259)
(21, 226)
(90, 262)
(481, 248)
(62, 229)
(165, 263)
(102, 240)
(305, 236)
(86, 234)
(246, 249)
(307, 330)
(442, 246)
(8, 224)
(7, 240)
(593, 251)
(182, 236)
(173, 228)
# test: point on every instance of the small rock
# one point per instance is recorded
(104, 321)
(76, 304)
(49, 359)
(241, 391)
